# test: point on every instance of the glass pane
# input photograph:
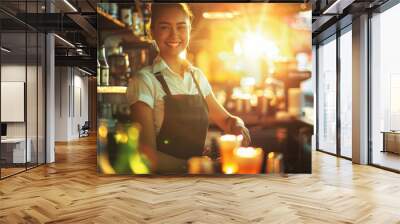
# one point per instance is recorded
(41, 99)
(386, 89)
(327, 97)
(31, 97)
(13, 85)
(346, 94)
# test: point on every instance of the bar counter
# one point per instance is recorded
(289, 137)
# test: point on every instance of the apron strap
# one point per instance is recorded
(197, 84)
(198, 89)
(163, 83)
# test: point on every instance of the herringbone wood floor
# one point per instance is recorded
(70, 191)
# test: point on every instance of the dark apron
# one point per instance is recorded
(184, 128)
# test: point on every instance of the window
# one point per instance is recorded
(385, 89)
(327, 96)
(346, 93)
(22, 75)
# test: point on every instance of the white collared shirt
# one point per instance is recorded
(145, 87)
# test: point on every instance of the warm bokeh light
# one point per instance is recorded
(253, 44)
(270, 155)
(133, 132)
(233, 47)
(103, 131)
(231, 138)
(121, 138)
(246, 152)
(256, 45)
(104, 164)
(220, 15)
(229, 169)
(183, 55)
(137, 165)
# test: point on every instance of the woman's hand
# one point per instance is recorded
(237, 127)
(226, 121)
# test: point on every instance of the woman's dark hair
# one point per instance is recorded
(156, 9)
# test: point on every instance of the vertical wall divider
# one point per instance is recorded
(37, 91)
(45, 93)
(317, 97)
(45, 86)
(73, 92)
(369, 96)
(26, 87)
(69, 91)
(0, 95)
(338, 99)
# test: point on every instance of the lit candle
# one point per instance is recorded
(228, 143)
(249, 159)
(278, 163)
(274, 163)
(270, 162)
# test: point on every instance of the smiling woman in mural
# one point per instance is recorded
(172, 99)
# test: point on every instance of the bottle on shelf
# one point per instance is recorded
(119, 67)
(104, 68)
(126, 15)
(98, 72)
(146, 18)
(105, 7)
(113, 10)
(137, 23)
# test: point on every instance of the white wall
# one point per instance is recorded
(61, 103)
(71, 102)
(16, 73)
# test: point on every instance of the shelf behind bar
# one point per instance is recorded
(112, 89)
(111, 21)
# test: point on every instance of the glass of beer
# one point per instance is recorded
(228, 143)
(249, 159)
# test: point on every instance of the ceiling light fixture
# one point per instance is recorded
(5, 50)
(65, 41)
(70, 5)
(337, 7)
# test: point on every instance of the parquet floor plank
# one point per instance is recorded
(70, 191)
